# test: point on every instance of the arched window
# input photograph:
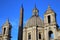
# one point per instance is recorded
(49, 19)
(51, 35)
(39, 36)
(29, 36)
(4, 30)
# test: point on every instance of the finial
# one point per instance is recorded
(49, 7)
(7, 20)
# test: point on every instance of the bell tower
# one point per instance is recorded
(50, 24)
(49, 17)
(20, 32)
(6, 30)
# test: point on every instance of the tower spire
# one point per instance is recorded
(20, 32)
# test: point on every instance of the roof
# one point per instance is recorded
(34, 21)
(49, 10)
(7, 23)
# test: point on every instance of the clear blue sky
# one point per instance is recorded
(11, 9)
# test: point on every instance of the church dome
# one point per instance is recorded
(35, 20)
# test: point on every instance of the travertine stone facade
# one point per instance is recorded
(6, 31)
(37, 29)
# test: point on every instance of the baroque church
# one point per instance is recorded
(35, 28)
(38, 29)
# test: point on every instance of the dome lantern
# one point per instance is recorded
(35, 11)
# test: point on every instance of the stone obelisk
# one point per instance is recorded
(20, 29)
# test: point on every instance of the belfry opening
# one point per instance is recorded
(51, 35)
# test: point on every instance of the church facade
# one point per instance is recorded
(35, 28)
(38, 29)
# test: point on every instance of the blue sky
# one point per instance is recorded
(11, 9)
